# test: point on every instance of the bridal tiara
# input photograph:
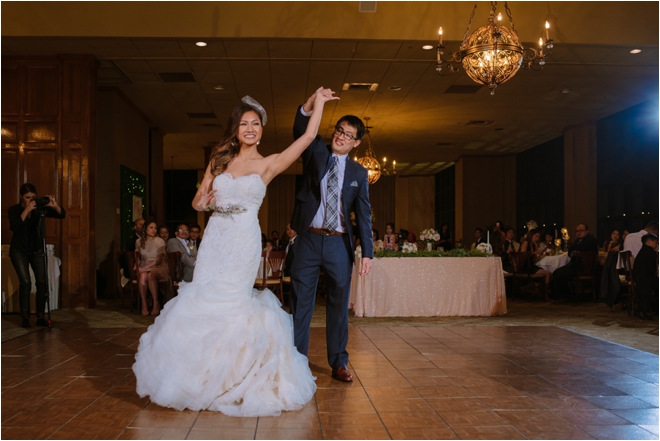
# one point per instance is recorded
(247, 99)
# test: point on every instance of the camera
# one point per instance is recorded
(42, 201)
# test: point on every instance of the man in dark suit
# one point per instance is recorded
(333, 186)
(645, 276)
(137, 227)
(584, 242)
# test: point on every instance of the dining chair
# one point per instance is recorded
(626, 259)
(521, 262)
(176, 271)
(272, 273)
(586, 271)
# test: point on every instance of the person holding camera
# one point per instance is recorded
(27, 247)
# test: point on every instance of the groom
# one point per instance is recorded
(333, 186)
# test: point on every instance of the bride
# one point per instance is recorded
(220, 344)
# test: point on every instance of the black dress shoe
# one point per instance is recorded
(42, 322)
(25, 323)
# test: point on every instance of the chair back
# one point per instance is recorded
(587, 263)
(518, 261)
(276, 260)
(131, 257)
(174, 266)
(627, 262)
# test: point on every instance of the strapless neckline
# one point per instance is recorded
(230, 176)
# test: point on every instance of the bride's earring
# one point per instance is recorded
(258, 142)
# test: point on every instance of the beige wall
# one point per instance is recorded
(485, 193)
(122, 139)
(415, 203)
(580, 180)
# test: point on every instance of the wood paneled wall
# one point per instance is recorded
(383, 203)
(48, 119)
(281, 199)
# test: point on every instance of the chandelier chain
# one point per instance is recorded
(467, 31)
(508, 12)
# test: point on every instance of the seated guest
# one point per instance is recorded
(624, 235)
(152, 265)
(531, 244)
(614, 244)
(510, 245)
(164, 233)
(390, 239)
(188, 251)
(137, 233)
(645, 275)
(584, 242)
(633, 242)
(478, 238)
(195, 230)
(378, 244)
(548, 245)
(411, 237)
(290, 250)
(278, 244)
(496, 238)
(402, 237)
(270, 246)
(446, 242)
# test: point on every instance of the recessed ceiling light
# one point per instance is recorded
(565, 91)
(200, 44)
(427, 47)
(219, 87)
(635, 51)
(394, 87)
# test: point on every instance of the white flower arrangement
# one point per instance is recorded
(485, 247)
(358, 252)
(378, 245)
(409, 248)
(429, 235)
(532, 225)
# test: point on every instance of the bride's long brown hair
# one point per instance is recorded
(229, 147)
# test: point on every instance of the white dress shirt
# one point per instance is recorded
(185, 244)
(633, 242)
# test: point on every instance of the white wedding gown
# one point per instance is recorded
(221, 344)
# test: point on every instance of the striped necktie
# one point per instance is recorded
(332, 197)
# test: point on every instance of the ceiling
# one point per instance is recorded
(423, 125)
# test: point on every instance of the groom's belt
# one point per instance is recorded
(324, 231)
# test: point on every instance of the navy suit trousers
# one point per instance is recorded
(314, 253)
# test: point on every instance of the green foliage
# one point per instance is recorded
(460, 252)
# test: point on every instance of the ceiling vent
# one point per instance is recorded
(367, 6)
(177, 77)
(479, 123)
(367, 87)
(201, 115)
(457, 88)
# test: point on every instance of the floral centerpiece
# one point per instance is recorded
(485, 248)
(429, 236)
(409, 247)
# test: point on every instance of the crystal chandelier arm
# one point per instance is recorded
(508, 12)
(467, 31)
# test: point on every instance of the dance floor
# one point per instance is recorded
(433, 382)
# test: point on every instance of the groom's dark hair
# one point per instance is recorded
(353, 121)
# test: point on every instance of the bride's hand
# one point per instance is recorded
(205, 200)
(324, 95)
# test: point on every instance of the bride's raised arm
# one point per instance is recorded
(205, 195)
(281, 161)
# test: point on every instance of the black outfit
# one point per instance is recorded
(496, 240)
(445, 241)
(645, 276)
(563, 275)
(130, 243)
(610, 284)
(27, 250)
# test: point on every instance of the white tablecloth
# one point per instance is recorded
(429, 286)
(551, 263)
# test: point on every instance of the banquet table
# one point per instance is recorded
(551, 263)
(429, 286)
(10, 283)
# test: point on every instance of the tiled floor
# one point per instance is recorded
(430, 382)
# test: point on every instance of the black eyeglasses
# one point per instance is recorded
(340, 132)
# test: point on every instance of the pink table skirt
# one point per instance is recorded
(429, 286)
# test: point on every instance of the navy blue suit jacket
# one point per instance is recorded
(355, 190)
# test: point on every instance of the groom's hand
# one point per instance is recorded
(366, 266)
(309, 105)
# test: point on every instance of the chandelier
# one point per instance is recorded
(492, 55)
(369, 161)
